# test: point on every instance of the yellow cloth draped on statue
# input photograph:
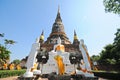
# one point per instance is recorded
(18, 67)
(61, 67)
(11, 66)
(34, 67)
(60, 48)
(5, 66)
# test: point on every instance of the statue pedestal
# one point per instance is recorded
(37, 72)
(28, 74)
(25, 78)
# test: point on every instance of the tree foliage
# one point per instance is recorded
(112, 6)
(4, 51)
(107, 54)
(111, 52)
(1, 34)
(117, 46)
(95, 58)
(8, 43)
(16, 61)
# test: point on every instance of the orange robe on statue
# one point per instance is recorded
(61, 67)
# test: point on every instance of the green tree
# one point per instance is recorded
(107, 54)
(4, 51)
(95, 58)
(112, 6)
(116, 44)
(4, 55)
(16, 61)
(111, 52)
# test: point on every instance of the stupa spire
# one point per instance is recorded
(42, 37)
(58, 9)
(75, 35)
(58, 17)
(58, 31)
(75, 41)
(42, 32)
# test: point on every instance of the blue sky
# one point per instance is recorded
(24, 20)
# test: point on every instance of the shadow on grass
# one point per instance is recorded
(111, 75)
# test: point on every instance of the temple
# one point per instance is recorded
(59, 31)
(59, 55)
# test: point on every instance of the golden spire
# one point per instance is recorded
(75, 35)
(42, 36)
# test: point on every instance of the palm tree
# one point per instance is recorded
(7, 42)
(1, 34)
(4, 54)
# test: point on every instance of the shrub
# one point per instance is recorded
(8, 73)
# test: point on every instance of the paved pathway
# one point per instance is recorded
(15, 78)
(10, 78)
